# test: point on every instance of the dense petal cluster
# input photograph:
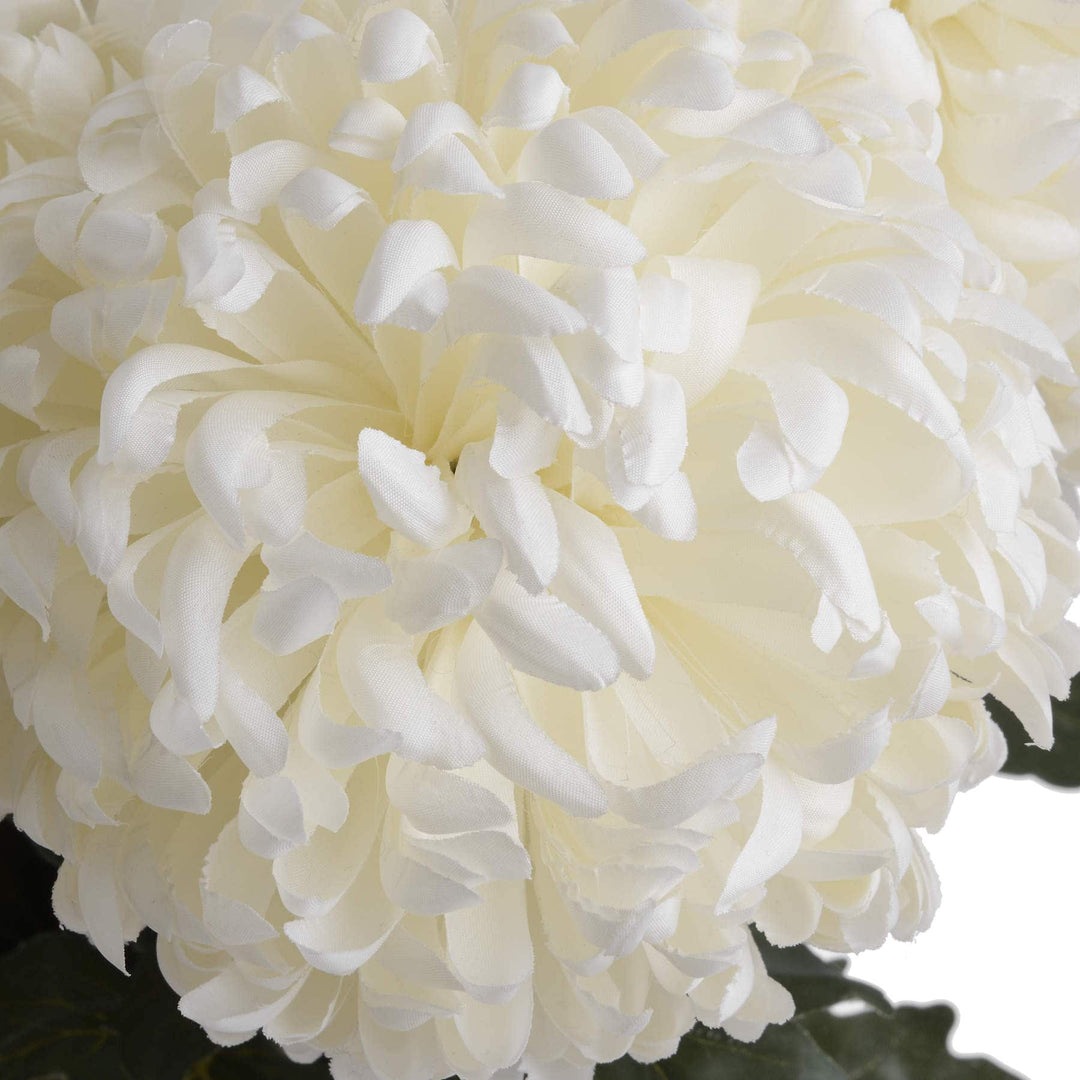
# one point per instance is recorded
(1011, 153)
(499, 497)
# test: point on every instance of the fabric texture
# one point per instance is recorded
(497, 498)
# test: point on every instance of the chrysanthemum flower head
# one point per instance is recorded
(1010, 115)
(498, 498)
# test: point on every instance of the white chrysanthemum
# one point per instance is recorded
(499, 498)
(1011, 113)
(1010, 72)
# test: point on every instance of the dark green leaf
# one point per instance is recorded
(909, 1042)
(57, 999)
(1060, 765)
(156, 1040)
(26, 879)
(67, 1014)
(782, 1053)
(257, 1059)
(815, 983)
(877, 1041)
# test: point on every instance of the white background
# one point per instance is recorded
(1005, 945)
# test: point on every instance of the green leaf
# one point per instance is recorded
(876, 1041)
(67, 1014)
(257, 1059)
(782, 1053)
(26, 880)
(816, 983)
(910, 1041)
(1059, 765)
(57, 997)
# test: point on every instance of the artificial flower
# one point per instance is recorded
(498, 499)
